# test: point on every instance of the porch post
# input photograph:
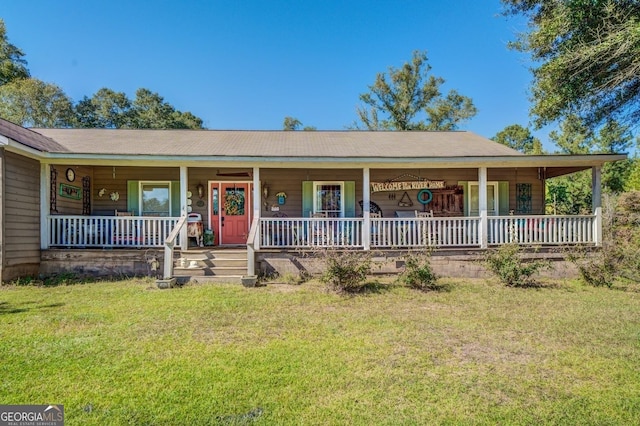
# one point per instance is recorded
(596, 188)
(45, 199)
(184, 183)
(366, 209)
(596, 201)
(482, 206)
(257, 202)
(255, 244)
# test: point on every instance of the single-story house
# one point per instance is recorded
(69, 191)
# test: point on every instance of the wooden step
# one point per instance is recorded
(216, 271)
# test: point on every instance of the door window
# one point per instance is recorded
(328, 198)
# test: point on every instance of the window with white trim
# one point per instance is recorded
(328, 198)
(155, 199)
(492, 199)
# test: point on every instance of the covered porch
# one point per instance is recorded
(441, 208)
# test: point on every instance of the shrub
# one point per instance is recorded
(418, 273)
(507, 264)
(346, 271)
(619, 256)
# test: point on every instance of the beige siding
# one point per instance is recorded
(66, 205)
(289, 181)
(114, 179)
(20, 216)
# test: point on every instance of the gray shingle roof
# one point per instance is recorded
(328, 144)
(28, 137)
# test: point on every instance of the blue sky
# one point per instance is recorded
(248, 64)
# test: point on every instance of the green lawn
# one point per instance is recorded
(481, 353)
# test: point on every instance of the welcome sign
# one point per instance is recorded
(407, 186)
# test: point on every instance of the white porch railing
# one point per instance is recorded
(311, 232)
(169, 245)
(109, 231)
(425, 232)
(284, 233)
(542, 229)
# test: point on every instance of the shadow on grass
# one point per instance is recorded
(539, 285)
(7, 308)
(368, 287)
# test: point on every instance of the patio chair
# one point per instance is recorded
(424, 214)
(375, 228)
(427, 229)
(319, 232)
(125, 232)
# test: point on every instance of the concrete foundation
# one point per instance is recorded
(445, 263)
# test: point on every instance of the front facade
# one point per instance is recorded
(71, 189)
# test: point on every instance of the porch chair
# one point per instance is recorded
(428, 232)
(375, 228)
(319, 234)
(125, 233)
(424, 214)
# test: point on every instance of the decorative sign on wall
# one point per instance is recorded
(407, 186)
(70, 191)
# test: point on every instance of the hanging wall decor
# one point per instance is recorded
(86, 195)
(53, 196)
(70, 191)
(523, 198)
(405, 201)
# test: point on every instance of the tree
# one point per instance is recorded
(33, 103)
(105, 109)
(292, 123)
(573, 136)
(519, 138)
(588, 53)
(633, 180)
(572, 194)
(409, 98)
(614, 138)
(109, 109)
(12, 65)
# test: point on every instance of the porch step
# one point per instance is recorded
(206, 265)
(216, 270)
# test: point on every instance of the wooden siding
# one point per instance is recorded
(290, 181)
(287, 180)
(20, 230)
(114, 179)
(65, 205)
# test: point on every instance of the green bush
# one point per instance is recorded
(346, 271)
(418, 273)
(507, 264)
(619, 256)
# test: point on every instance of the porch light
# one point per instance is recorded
(265, 190)
(200, 189)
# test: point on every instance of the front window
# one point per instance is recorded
(328, 198)
(155, 199)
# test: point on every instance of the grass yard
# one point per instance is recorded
(481, 353)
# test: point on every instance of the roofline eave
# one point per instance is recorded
(589, 160)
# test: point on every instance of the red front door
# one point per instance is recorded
(235, 208)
